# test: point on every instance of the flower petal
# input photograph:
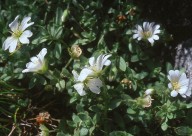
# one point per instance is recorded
(183, 95)
(24, 37)
(11, 43)
(34, 60)
(105, 61)
(75, 75)
(135, 36)
(91, 61)
(183, 90)
(25, 24)
(156, 27)
(170, 86)
(25, 71)
(156, 32)
(84, 73)
(174, 93)
(94, 85)
(79, 87)
(174, 75)
(149, 91)
(155, 37)
(14, 25)
(151, 40)
(42, 54)
(182, 77)
(188, 93)
(139, 28)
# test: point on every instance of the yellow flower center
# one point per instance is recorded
(176, 85)
(147, 34)
(17, 33)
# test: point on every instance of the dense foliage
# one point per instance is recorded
(132, 83)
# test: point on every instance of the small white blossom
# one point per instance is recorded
(82, 80)
(148, 32)
(37, 63)
(178, 83)
(96, 65)
(19, 34)
(149, 91)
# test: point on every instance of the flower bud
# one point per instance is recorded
(127, 82)
(145, 101)
(75, 51)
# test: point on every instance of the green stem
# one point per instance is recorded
(70, 60)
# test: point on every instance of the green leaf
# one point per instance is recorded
(114, 104)
(122, 64)
(130, 111)
(62, 134)
(119, 133)
(57, 51)
(134, 58)
(183, 130)
(189, 105)
(76, 119)
(58, 16)
(65, 73)
(168, 66)
(164, 126)
(60, 85)
(44, 130)
(84, 131)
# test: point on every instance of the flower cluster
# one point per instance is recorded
(89, 76)
(20, 36)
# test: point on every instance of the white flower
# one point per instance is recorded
(149, 91)
(83, 81)
(96, 65)
(37, 63)
(178, 83)
(148, 32)
(19, 34)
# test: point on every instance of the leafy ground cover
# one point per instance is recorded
(93, 68)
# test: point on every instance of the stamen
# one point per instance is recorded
(176, 85)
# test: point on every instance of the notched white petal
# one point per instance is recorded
(94, 85)
(14, 25)
(174, 93)
(25, 24)
(84, 73)
(79, 87)
(10, 41)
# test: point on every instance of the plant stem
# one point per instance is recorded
(68, 63)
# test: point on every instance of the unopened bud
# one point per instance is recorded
(126, 82)
(145, 101)
(75, 51)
